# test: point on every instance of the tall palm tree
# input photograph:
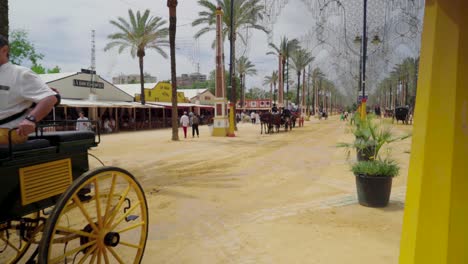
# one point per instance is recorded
(4, 22)
(300, 59)
(247, 14)
(141, 33)
(172, 4)
(245, 68)
(317, 76)
(283, 51)
(271, 80)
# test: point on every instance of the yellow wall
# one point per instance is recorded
(435, 227)
(162, 92)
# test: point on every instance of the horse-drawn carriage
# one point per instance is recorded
(54, 209)
(403, 114)
(274, 121)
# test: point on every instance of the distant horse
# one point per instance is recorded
(265, 123)
(269, 121)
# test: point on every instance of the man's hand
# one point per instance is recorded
(26, 127)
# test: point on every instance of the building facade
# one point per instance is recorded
(132, 78)
(255, 105)
(187, 80)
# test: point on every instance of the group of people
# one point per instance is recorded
(192, 120)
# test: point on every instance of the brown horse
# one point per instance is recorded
(269, 121)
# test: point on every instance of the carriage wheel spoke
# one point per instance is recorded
(85, 213)
(116, 256)
(98, 203)
(95, 254)
(125, 215)
(118, 206)
(130, 245)
(99, 257)
(106, 258)
(74, 231)
(71, 252)
(111, 193)
(130, 227)
(90, 251)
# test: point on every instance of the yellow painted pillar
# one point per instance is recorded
(435, 228)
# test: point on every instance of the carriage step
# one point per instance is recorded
(131, 218)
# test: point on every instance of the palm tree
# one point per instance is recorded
(283, 51)
(248, 14)
(244, 68)
(141, 33)
(317, 76)
(300, 59)
(271, 80)
(4, 22)
(172, 4)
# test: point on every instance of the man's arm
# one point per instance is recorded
(41, 110)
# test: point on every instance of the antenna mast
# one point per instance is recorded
(93, 60)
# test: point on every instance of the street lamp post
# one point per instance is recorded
(364, 58)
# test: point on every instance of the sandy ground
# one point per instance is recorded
(282, 198)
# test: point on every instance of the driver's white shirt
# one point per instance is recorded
(19, 89)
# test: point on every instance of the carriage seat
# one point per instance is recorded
(65, 136)
(65, 139)
(34, 144)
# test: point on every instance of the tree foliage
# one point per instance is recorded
(39, 69)
(22, 50)
(139, 33)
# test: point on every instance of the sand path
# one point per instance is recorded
(282, 198)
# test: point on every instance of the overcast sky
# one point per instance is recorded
(61, 30)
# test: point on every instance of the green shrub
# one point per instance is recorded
(376, 168)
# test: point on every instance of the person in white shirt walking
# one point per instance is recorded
(24, 99)
(185, 121)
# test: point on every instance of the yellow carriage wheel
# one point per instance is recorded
(14, 242)
(101, 218)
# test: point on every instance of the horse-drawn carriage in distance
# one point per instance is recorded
(403, 114)
(54, 209)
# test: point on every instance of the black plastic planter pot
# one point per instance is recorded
(373, 191)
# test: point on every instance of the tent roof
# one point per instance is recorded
(89, 103)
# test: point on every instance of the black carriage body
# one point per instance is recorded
(47, 148)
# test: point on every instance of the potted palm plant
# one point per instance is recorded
(374, 174)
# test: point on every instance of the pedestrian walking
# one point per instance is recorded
(252, 117)
(184, 122)
(195, 121)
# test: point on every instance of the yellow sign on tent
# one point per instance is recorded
(162, 92)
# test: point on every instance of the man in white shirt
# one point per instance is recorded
(185, 121)
(82, 124)
(24, 98)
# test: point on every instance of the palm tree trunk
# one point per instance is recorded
(172, 4)
(4, 22)
(271, 92)
(303, 88)
(242, 90)
(233, 76)
(281, 80)
(287, 82)
(298, 86)
(274, 93)
(141, 54)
